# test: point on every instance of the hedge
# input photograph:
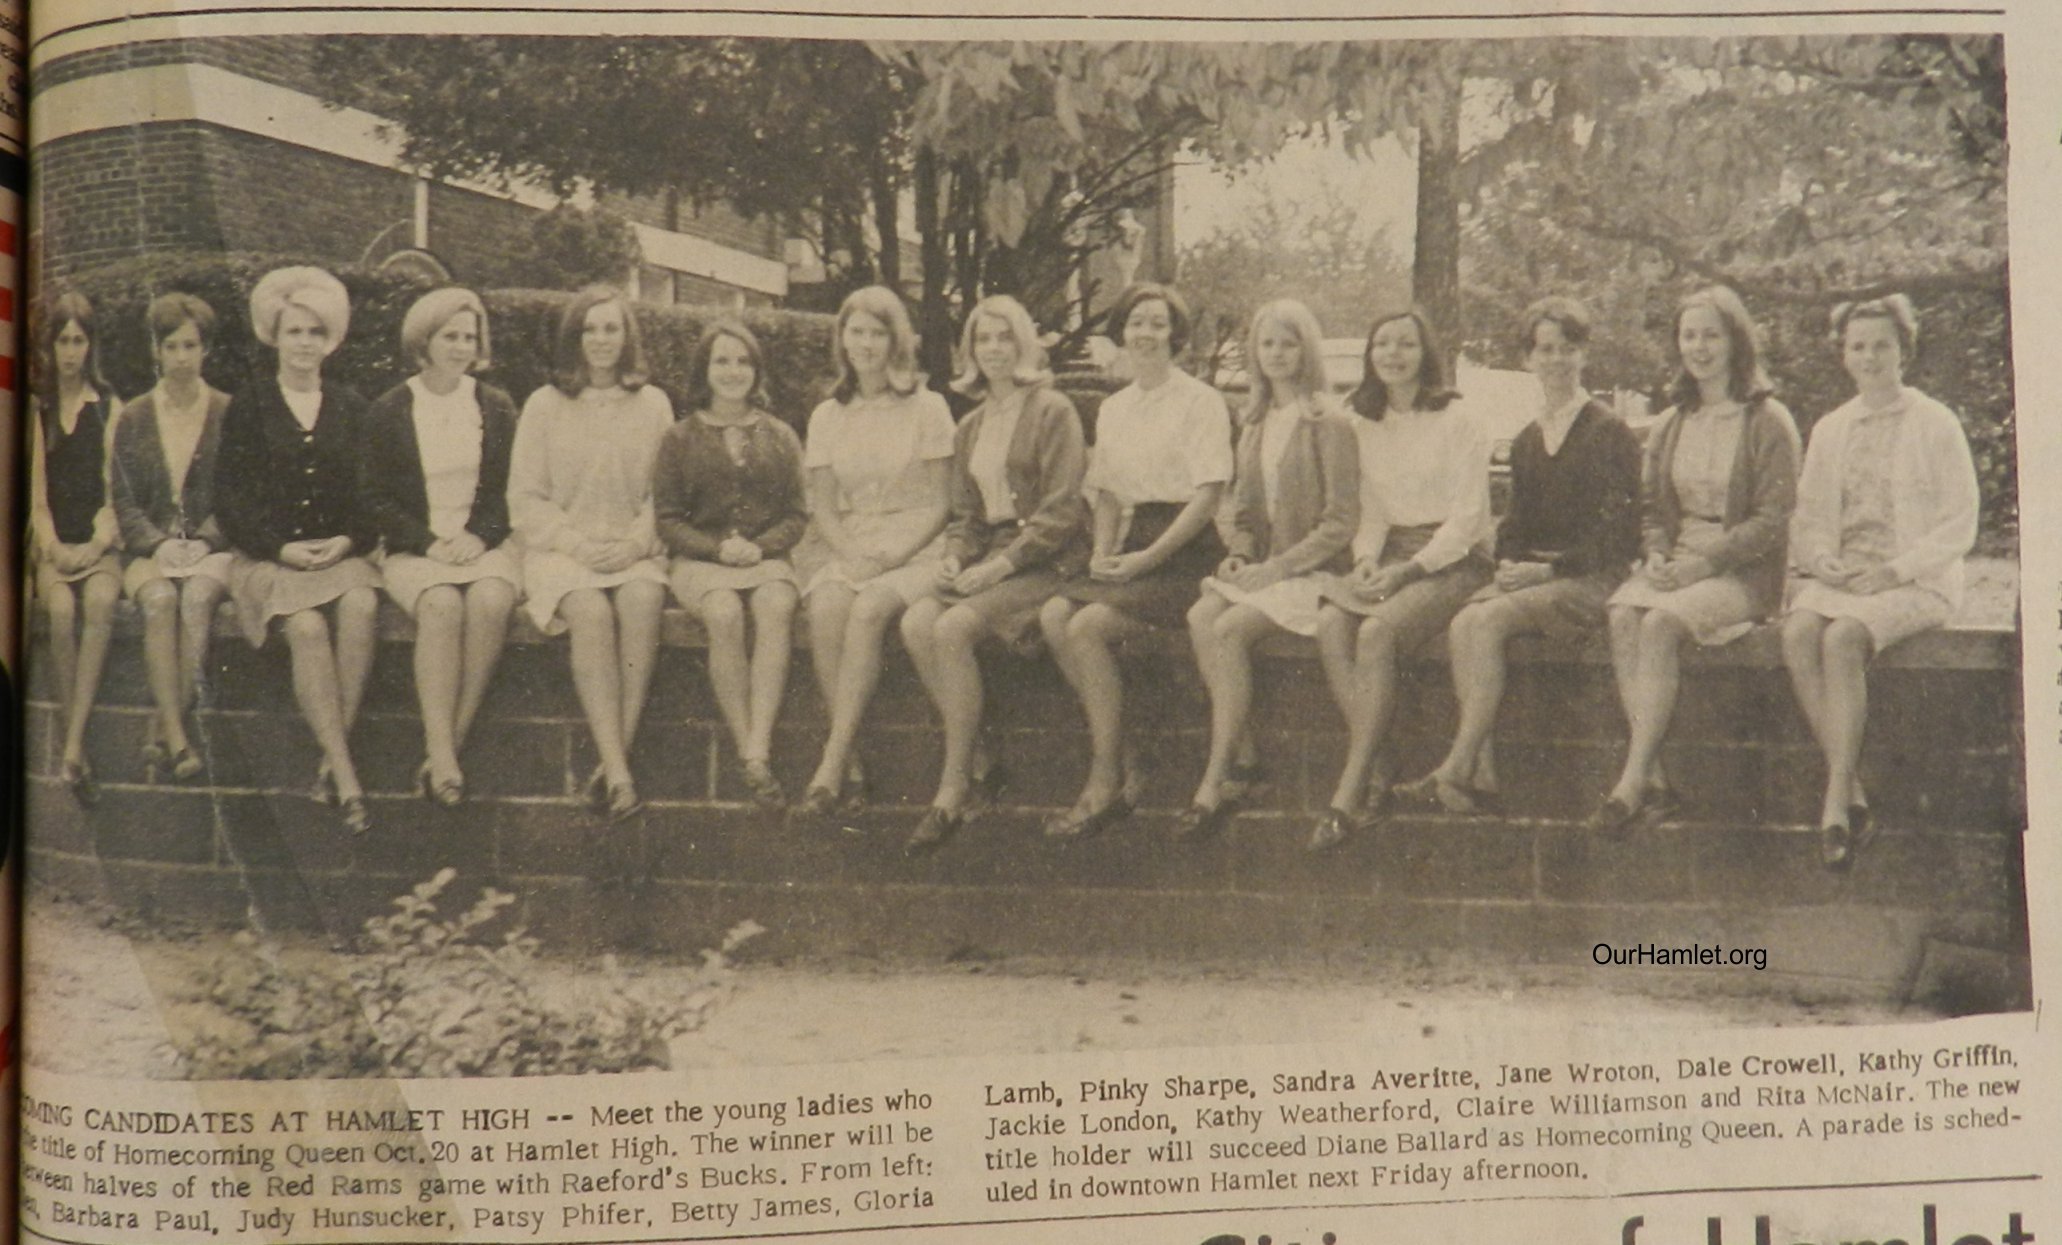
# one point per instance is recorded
(523, 325)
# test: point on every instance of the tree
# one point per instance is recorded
(806, 131)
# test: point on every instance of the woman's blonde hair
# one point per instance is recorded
(1032, 368)
(885, 306)
(1310, 379)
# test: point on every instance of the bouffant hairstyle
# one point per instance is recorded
(314, 291)
(1435, 391)
(1745, 381)
(699, 393)
(1180, 321)
(885, 307)
(569, 371)
(169, 312)
(1032, 368)
(1896, 308)
(430, 313)
(1310, 379)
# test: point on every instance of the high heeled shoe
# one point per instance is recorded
(442, 792)
(78, 779)
(1200, 820)
(623, 802)
(857, 791)
(324, 790)
(1079, 822)
(764, 787)
(356, 815)
(186, 765)
(930, 834)
(1331, 830)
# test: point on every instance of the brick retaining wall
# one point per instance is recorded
(1944, 766)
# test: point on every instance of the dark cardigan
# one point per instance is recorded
(145, 507)
(700, 495)
(391, 484)
(1046, 459)
(281, 484)
(1577, 510)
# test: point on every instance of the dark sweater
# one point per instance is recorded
(1577, 510)
(279, 484)
(700, 494)
(391, 483)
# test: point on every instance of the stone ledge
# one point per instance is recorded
(1959, 646)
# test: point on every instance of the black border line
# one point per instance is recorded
(1548, 16)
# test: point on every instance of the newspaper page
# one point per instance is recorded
(1438, 886)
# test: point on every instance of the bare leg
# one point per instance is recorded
(1475, 645)
(62, 606)
(1654, 688)
(1367, 713)
(319, 692)
(952, 675)
(1847, 651)
(1091, 637)
(723, 617)
(1804, 636)
(488, 604)
(859, 669)
(1234, 630)
(639, 604)
(439, 620)
(96, 630)
(773, 643)
(357, 611)
(830, 606)
(159, 602)
(197, 601)
(598, 676)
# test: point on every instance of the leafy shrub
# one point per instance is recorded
(438, 996)
(574, 246)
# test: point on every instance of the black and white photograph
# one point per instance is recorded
(557, 554)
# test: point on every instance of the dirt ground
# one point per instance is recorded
(105, 1003)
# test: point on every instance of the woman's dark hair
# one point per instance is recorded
(1745, 381)
(1564, 313)
(1896, 308)
(1180, 321)
(169, 311)
(1371, 399)
(65, 307)
(569, 363)
(699, 393)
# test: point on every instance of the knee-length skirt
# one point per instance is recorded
(409, 575)
(875, 535)
(1898, 614)
(1421, 609)
(1161, 597)
(140, 573)
(549, 575)
(264, 590)
(694, 578)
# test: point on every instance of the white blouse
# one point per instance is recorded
(1160, 444)
(448, 432)
(1419, 468)
(987, 460)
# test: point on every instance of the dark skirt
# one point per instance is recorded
(1163, 597)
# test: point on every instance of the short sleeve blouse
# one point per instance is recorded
(1160, 444)
(875, 448)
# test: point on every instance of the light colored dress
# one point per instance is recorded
(581, 470)
(877, 450)
(449, 436)
(1720, 609)
(1907, 498)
